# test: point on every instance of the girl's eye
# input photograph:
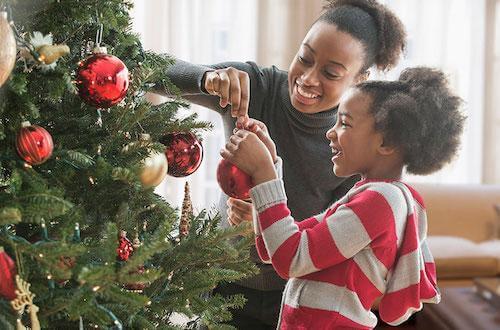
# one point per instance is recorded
(344, 124)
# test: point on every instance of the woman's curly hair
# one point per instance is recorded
(420, 116)
(378, 29)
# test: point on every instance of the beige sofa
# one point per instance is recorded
(463, 230)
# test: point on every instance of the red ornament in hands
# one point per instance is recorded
(102, 79)
(7, 276)
(233, 181)
(184, 153)
(34, 144)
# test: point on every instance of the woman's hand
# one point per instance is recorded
(250, 154)
(238, 211)
(233, 87)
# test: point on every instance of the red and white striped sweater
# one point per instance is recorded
(370, 243)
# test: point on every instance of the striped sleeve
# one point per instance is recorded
(296, 251)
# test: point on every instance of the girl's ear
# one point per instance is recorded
(363, 77)
(386, 149)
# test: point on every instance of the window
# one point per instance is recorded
(450, 35)
(203, 32)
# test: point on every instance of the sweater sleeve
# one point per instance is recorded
(297, 251)
(188, 78)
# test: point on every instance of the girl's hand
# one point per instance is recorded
(238, 211)
(260, 129)
(250, 154)
(233, 87)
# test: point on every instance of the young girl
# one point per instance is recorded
(298, 107)
(370, 243)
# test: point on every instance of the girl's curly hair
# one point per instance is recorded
(419, 115)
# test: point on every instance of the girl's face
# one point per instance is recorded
(327, 64)
(355, 143)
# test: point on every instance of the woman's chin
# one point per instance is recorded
(305, 108)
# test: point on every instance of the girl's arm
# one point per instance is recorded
(340, 235)
(259, 240)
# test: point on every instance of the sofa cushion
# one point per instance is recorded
(457, 257)
(493, 249)
(444, 247)
(461, 210)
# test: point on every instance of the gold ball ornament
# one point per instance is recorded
(7, 48)
(154, 169)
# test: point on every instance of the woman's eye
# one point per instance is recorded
(331, 76)
(344, 124)
(304, 60)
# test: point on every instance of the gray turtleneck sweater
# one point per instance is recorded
(300, 141)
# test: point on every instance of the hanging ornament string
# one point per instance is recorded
(98, 40)
(98, 36)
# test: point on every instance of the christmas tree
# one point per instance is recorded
(80, 154)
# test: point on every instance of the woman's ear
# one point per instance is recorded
(363, 77)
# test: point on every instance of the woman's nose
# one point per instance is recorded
(310, 77)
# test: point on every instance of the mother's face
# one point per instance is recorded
(327, 64)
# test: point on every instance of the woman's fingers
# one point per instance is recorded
(224, 88)
(238, 211)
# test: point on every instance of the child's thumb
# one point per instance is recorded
(261, 134)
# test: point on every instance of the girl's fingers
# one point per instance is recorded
(231, 147)
(225, 154)
(235, 139)
(233, 219)
(244, 208)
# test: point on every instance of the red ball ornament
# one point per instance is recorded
(233, 181)
(184, 153)
(102, 79)
(34, 144)
(7, 276)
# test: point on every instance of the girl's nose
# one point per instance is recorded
(330, 134)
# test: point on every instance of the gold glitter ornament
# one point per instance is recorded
(7, 48)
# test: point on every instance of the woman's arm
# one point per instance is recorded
(220, 87)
